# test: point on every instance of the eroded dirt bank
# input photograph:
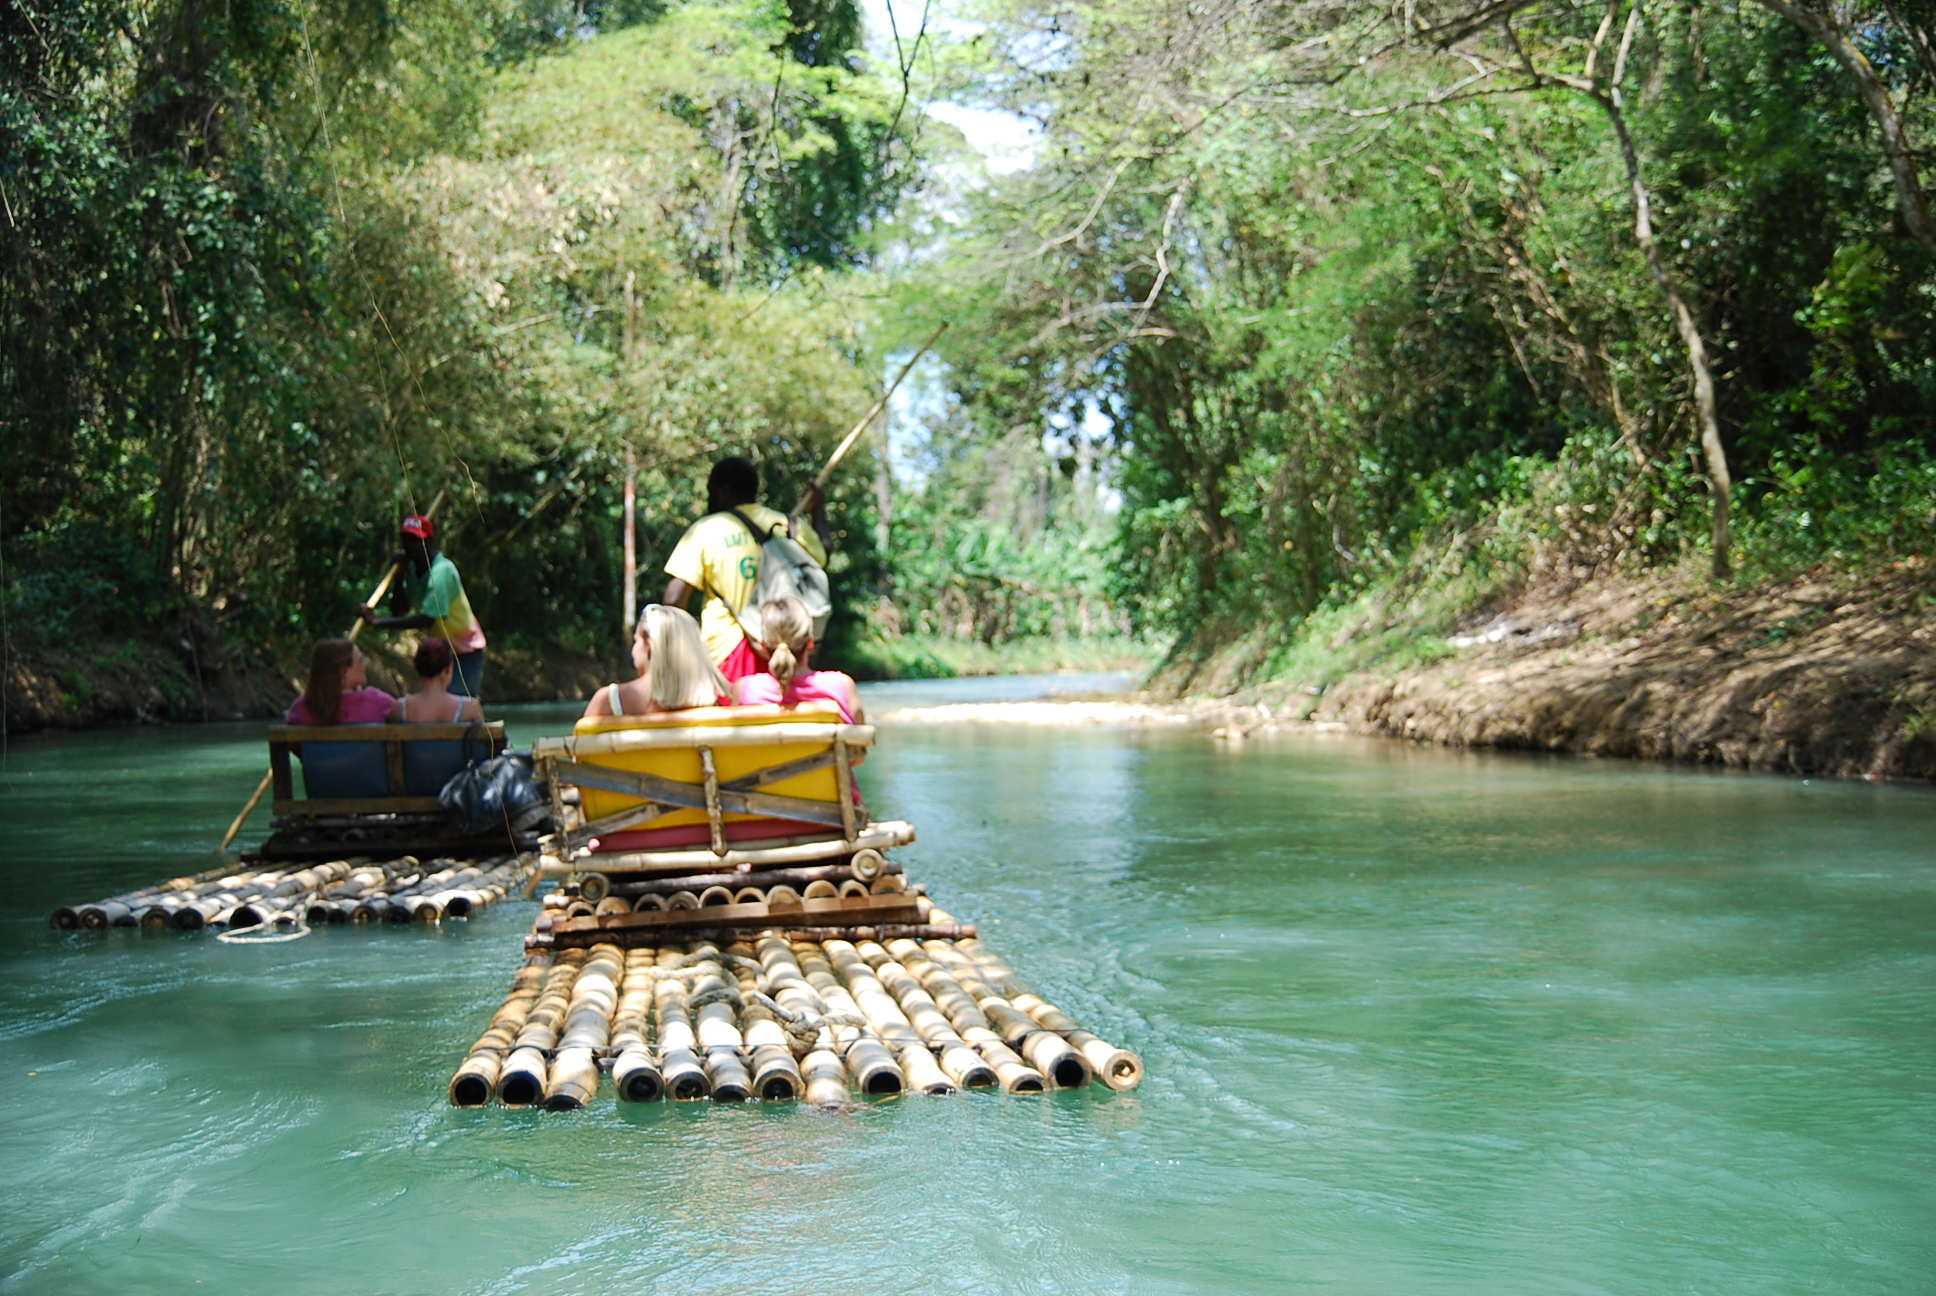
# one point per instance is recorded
(1808, 676)
(1814, 676)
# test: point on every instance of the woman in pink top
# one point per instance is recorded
(787, 633)
(338, 691)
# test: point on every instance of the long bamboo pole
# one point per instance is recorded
(356, 628)
(847, 442)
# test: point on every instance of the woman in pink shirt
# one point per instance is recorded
(787, 632)
(337, 691)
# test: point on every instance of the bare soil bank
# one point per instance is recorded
(1814, 676)
(1820, 675)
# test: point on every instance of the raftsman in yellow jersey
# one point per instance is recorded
(721, 559)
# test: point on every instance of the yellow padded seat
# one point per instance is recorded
(681, 764)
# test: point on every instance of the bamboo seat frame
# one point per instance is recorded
(564, 762)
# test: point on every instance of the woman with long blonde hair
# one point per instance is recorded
(675, 672)
(787, 637)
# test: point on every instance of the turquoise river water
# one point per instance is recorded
(1414, 1021)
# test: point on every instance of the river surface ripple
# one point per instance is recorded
(1415, 1021)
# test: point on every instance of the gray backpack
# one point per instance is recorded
(786, 568)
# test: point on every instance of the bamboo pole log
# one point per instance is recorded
(760, 877)
(776, 1076)
(636, 1077)
(682, 900)
(612, 904)
(888, 884)
(822, 1074)
(714, 896)
(684, 1077)
(819, 890)
(521, 1081)
(882, 931)
(782, 897)
(853, 888)
(749, 895)
(634, 1073)
(573, 1080)
(825, 1077)
(1050, 1054)
(476, 1077)
(1013, 1074)
(648, 904)
(868, 863)
(717, 1027)
(595, 887)
(916, 1003)
(785, 851)
(873, 1067)
(1118, 1068)
(875, 1003)
(104, 914)
(68, 918)
(924, 1074)
(479, 1074)
(963, 1013)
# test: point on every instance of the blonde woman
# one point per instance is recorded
(674, 671)
(787, 638)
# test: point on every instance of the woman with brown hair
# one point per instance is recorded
(338, 692)
(432, 701)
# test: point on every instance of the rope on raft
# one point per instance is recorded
(260, 934)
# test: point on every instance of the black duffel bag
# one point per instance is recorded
(504, 790)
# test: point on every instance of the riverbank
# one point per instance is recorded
(188, 681)
(1815, 675)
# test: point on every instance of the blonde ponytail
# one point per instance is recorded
(787, 630)
(782, 665)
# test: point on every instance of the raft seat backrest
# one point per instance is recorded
(373, 769)
(428, 764)
(791, 786)
(344, 769)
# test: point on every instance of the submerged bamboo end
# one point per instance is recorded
(471, 1086)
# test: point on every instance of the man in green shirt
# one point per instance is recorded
(431, 597)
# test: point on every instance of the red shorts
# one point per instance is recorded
(741, 662)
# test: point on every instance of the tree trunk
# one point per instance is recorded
(1829, 30)
(1713, 452)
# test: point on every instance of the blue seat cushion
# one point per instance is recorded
(428, 765)
(345, 770)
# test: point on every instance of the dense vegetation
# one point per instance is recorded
(1365, 289)
(1293, 300)
(1388, 295)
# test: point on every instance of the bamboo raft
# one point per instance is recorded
(800, 1013)
(403, 890)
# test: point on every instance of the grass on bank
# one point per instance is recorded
(936, 657)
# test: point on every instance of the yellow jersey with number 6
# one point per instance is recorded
(720, 558)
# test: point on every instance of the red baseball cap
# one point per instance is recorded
(419, 526)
